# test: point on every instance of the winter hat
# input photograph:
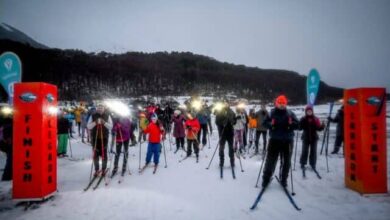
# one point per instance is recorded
(177, 112)
(309, 107)
(281, 100)
(154, 116)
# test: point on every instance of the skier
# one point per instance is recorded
(208, 113)
(77, 113)
(192, 128)
(143, 124)
(339, 119)
(252, 125)
(156, 132)
(202, 118)
(310, 124)
(168, 112)
(239, 130)
(100, 123)
(261, 129)
(281, 124)
(178, 129)
(6, 146)
(84, 129)
(62, 134)
(121, 131)
(225, 120)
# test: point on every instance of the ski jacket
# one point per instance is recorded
(202, 117)
(240, 122)
(281, 124)
(178, 129)
(192, 128)
(261, 115)
(310, 125)
(225, 120)
(92, 125)
(252, 121)
(155, 131)
(339, 119)
(62, 126)
(122, 129)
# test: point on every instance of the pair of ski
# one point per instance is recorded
(146, 166)
(186, 157)
(221, 172)
(99, 180)
(315, 171)
(121, 177)
(285, 190)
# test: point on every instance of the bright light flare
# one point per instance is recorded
(52, 110)
(218, 106)
(196, 104)
(241, 105)
(118, 108)
(182, 106)
(6, 110)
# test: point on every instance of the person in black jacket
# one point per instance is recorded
(225, 119)
(281, 124)
(63, 128)
(6, 147)
(310, 124)
(339, 119)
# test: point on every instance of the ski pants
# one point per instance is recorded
(238, 139)
(100, 149)
(222, 143)
(180, 143)
(118, 152)
(154, 150)
(190, 144)
(276, 148)
(309, 148)
(252, 135)
(62, 143)
(337, 143)
(264, 134)
(203, 131)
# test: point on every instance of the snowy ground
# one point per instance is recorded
(188, 191)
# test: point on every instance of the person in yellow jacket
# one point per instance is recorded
(143, 124)
(252, 125)
(77, 114)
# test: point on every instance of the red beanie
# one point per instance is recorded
(281, 100)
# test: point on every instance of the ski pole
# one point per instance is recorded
(93, 154)
(239, 158)
(216, 148)
(292, 182)
(326, 152)
(70, 147)
(165, 156)
(296, 147)
(139, 166)
(261, 167)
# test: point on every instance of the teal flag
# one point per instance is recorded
(10, 72)
(312, 86)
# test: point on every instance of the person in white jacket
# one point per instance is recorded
(239, 130)
(100, 124)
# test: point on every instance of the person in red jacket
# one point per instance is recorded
(192, 127)
(156, 133)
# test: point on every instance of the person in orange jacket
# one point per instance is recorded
(156, 133)
(192, 127)
(252, 126)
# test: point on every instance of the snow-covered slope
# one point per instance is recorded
(188, 191)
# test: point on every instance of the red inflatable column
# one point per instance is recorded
(365, 140)
(34, 141)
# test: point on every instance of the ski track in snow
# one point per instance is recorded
(187, 190)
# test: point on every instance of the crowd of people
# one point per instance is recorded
(190, 125)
